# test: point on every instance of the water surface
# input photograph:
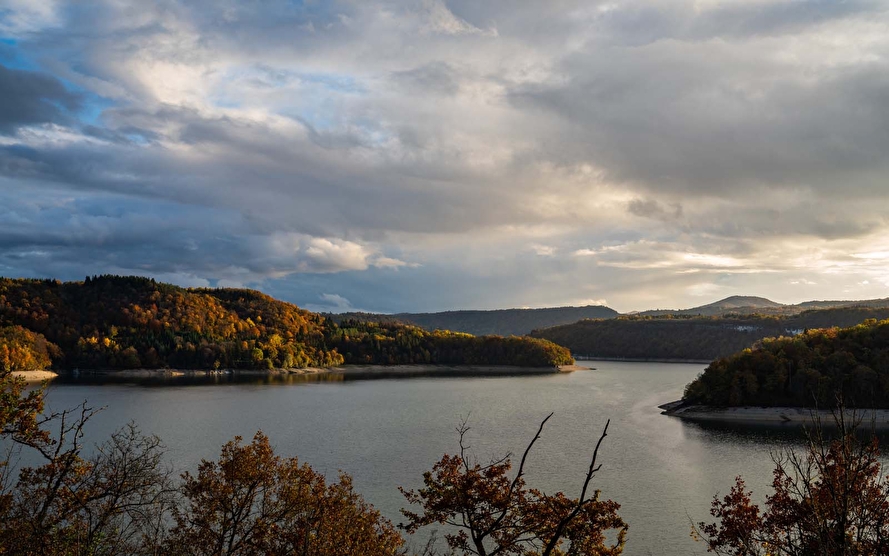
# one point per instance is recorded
(385, 433)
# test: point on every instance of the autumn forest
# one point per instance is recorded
(111, 322)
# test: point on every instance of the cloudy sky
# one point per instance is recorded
(429, 155)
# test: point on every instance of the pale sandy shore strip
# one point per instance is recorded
(752, 414)
(35, 376)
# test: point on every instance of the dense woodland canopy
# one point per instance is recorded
(810, 369)
(398, 344)
(505, 322)
(112, 322)
(693, 337)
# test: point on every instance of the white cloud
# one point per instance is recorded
(873, 256)
(389, 262)
(704, 289)
(543, 250)
(589, 301)
(337, 301)
(442, 20)
(331, 255)
(21, 17)
(585, 253)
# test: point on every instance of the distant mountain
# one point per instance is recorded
(518, 322)
(738, 301)
(502, 322)
(743, 304)
(692, 336)
(749, 305)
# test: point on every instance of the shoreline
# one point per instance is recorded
(768, 415)
(642, 360)
(35, 376)
(345, 371)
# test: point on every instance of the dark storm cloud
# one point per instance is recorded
(744, 19)
(649, 208)
(30, 97)
(295, 183)
(53, 232)
(640, 23)
(438, 77)
(685, 120)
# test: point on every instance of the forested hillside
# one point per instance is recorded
(111, 322)
(811, 369)
(392, 343)
(693, 337)
(504, 322)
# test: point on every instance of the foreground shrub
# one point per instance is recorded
(831, 500)
(254, 502)
(492, 513)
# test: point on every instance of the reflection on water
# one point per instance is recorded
(386, 433)
(786, 435)
(753, 432)
(201, 378)
(194, 379)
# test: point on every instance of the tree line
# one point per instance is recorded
(114, 322)
(806, 370)
(390, 343)
(505, 322)
(693, 337)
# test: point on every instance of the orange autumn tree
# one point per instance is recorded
(20, 415)
(21, 410)
(109, 503)
(253, 502)
(23, 350)
(831, 500)
(493, 514)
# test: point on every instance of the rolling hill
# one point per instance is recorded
(813, 369)
(750, 305)
(127, 322)
(502, 322)
(693, 337)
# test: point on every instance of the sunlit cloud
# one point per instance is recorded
(648, 153)
(543, 250)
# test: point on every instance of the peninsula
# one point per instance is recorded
(785, 378)
(113, 323)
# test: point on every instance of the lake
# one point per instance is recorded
(386, 433)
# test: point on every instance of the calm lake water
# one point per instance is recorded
(385, 433)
